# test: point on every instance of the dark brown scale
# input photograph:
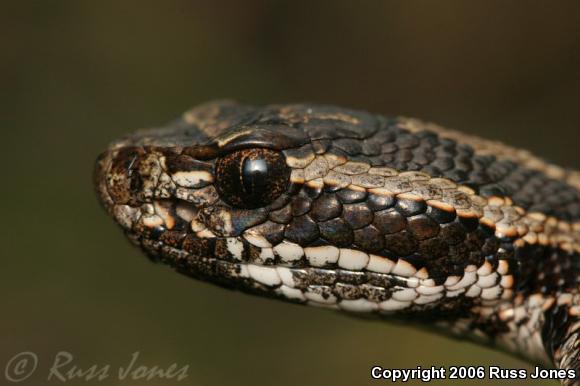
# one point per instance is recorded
(325, 207)
(401, 243)
(282, 215)
(302, 230)
(221, 250)
(422, 227)
(410, 207)
(173, 238)
(300, 205)
(443, 163)
(241, 219)
(371, 148)
(349, 196)
(440, 215)
(312, 192)
(389, 221)
(337, 232)
(407, 141)
(469, 223)
(433, 248)
(273, 232)
(198, 247)
(389, 148)
(380, 202)
(349, 146)
(403, 156)
(452, 233)
(368, 239)
(357, 215)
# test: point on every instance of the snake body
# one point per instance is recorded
(337, 208)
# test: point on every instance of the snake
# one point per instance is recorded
(386, 217)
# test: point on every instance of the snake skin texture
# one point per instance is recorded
(336, 208)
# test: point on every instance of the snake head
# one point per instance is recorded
(338, 208)
(297, 202)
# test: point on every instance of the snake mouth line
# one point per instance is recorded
(360, 291)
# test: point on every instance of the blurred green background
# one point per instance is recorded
(76, 74)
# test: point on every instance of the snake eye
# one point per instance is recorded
(251, 178)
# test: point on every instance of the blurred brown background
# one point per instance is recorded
(77, 74)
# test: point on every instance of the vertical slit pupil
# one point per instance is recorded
(254, 175)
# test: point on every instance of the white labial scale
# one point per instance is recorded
(451, 280)
(320, 256)
(286, 276)
(491, 293)
(485, 269)
(380, 264)
(358, 305)
(468, 279)
(393, 305)
(426, 299)
(244, 272)
(235, 247)
(411, 282)
(534, 318)
(291, 293)
(473, 291)
(428, 290)
(507, 281)
(502, 267)
(427, 282)
(488, 280)
(266, 253)
(422, 273)
(265, 275)
(452, 294)
(257, 240)
(405, 295)
(289, 251)
(564, 299)
(352, 259)
(404, 268)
